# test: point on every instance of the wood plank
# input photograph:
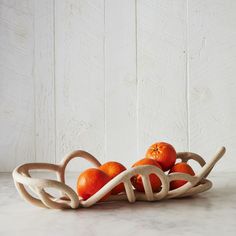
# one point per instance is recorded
(16, 83)
(212, 52)
(120, 76)
(162, 113)
(44, 81)
(79, 70)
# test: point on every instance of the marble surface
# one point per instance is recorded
(209, 213)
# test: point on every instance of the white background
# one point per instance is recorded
(113, 76)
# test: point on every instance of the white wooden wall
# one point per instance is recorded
(114, 76)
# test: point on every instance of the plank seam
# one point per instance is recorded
(187, 75)
(54, 81)
(104, 74)
(137, 84)
(34, 84)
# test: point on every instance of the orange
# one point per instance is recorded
(163, 153)
(90, 181)
(154, 180)
(112, 169)
(181, 167)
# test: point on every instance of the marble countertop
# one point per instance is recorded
(209, 213)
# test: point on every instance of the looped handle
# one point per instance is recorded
(205, 171)
(186, 156)
(78, 153)
(21, 177)
(69, 198)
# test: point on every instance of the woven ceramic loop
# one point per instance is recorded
(130, 195)
(21, 174)
(186, 156)
(71, 202)
(195, 184)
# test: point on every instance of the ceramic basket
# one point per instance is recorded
(69, 198)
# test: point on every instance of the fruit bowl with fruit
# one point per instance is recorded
(161, 174)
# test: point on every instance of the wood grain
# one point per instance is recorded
(16, 83)
(120, 81)
(212, 84)
(112, 77)
(79, 66)
(162, 98)
(44, 81)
